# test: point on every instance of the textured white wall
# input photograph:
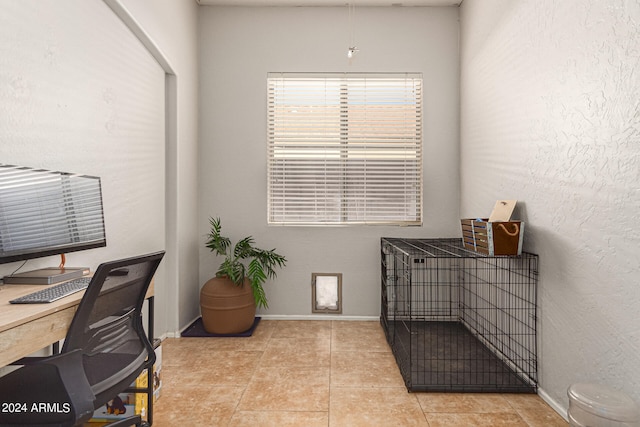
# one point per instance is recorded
(80, 93)
(172, 26)
(550, 115)
(238, 47)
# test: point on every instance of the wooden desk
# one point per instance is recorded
(27, 328)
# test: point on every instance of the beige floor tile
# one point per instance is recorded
(374, 406)
(475, 420)
(179, 351)
(315, 373)
(215, 367)
(463, 402)
(542, 418)
(535, 411)
(358, 338)
(287, 389)
(238, 344)
(196, 405)
(256, 342)
(526, 401)
(302, 329)
(364, 369)
(357, 325)
(310, 352)
(279, 419)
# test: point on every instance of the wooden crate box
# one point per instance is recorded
(493, 238)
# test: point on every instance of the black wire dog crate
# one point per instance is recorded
(457, 320)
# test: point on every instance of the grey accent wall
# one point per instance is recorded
(238, 47)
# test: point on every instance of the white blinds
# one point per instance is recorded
(345, 149)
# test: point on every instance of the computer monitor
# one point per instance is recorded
(45, 213)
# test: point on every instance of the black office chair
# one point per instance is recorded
(105, 350)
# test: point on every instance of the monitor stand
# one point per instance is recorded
(46, 276)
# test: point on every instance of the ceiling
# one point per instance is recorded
(317, 3)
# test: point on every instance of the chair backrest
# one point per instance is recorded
(107, 326)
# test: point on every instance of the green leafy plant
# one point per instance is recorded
(261, 263)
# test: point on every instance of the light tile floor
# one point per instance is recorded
(317, 373)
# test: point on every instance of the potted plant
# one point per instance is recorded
(228, 301)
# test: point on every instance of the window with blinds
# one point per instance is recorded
(344, 149)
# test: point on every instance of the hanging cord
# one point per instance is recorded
(352, 44)
(352, 12)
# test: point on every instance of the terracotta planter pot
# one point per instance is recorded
(226, 307)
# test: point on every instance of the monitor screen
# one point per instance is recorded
(46, 213)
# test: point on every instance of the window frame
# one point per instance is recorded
(348, 155)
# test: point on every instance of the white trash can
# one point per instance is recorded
(596, 405)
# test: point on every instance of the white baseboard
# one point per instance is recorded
(560, 409)
(317, 317)
(178, 333)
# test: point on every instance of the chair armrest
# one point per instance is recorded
(53, 390)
